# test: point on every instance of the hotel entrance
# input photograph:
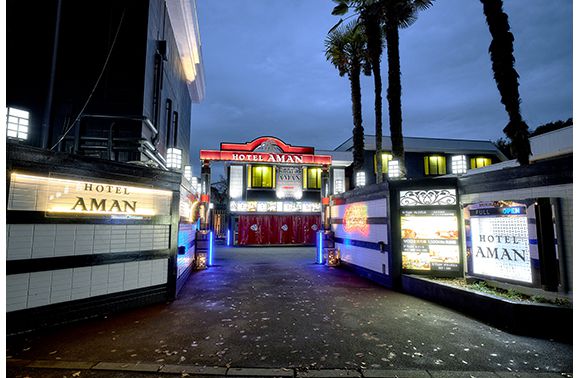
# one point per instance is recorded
(276, 229)
(276, 192)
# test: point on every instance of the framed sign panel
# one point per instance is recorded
(501, 240)
(429, 232)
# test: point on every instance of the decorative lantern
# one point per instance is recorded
(333, 258)
(174, 158)
(200, 260)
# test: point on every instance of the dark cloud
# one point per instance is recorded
(266, 73)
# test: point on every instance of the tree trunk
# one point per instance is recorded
(374, 44)
(378, 119)
(357, 131)
(501, 51)
(394, 93)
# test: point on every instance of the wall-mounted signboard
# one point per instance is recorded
(430, 240)
(274, 207)
(499, 240)
(430, 236)
(59, 196)
(289, 182)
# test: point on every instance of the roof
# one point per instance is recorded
(183, 18)
(416, 144)
(339, 158)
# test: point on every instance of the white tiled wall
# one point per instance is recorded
(371, 259)
(36, 289)
(367, 258)
(186, 236)
(375, 209)
(25, 241)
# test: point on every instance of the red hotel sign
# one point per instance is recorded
(278, 153)
(265, 157)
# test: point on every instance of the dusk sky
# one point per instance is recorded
(266, 73)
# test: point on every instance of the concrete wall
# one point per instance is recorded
(174, 86)
(364, 255)
(359, 219)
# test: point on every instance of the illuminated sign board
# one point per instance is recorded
(265, 157)
(65, 196)
(274, 207)
(500, 245)
(355, 219)
(289, 182)
(430, 240)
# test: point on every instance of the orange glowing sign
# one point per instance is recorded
(355, 219)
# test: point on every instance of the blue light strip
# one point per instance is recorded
(210, 257)
(228, 238)
(320, 247)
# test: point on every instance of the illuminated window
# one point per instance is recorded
(187, 172)
(435, 165)
(262, 176)
(386, 158)
(17, 123)
(361, 179)
(313, 178)
(174, 158)
(458, 164)
(479, 162)
(394, 169)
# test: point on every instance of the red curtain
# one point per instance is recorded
(277, 229)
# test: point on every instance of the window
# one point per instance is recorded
(187, 172)
(394, 169)
(175, 127)
(479, 162)
(168, 121)
(361, 179)
(17, 123)
(386, 158)
(435, 165)
(458, 164)
(157, 84)
(338, 175)
(313, 178)
(262, 176)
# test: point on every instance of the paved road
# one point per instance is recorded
(267, 307)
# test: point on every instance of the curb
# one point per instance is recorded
(215, 371)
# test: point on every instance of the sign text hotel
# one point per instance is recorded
(56, 195)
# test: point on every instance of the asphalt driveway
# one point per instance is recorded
(273, 307)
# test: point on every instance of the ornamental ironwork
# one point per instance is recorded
(431, 197)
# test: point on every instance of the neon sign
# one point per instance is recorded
(355, 219)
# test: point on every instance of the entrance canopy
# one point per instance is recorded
(265, 150)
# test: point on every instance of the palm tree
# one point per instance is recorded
(398, 14)
(345, 48)
(501, 51)
(370, 21)
(391, 15)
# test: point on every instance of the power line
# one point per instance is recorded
(70, 126)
